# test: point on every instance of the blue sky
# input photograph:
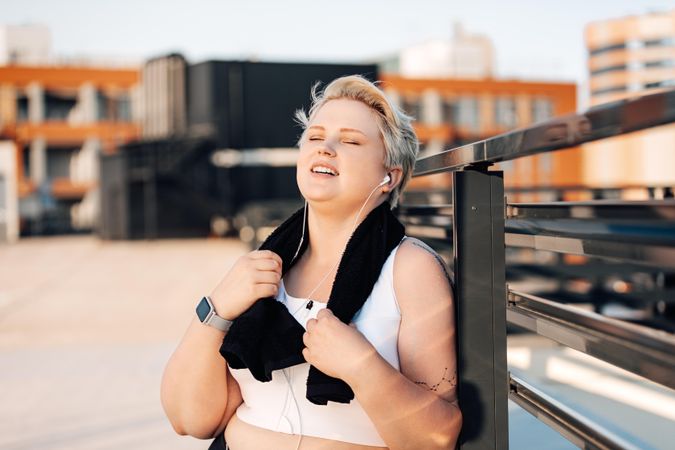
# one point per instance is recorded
(534, 39)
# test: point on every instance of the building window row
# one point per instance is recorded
(664, 42)
(468, 112)
(636, 87)
(608, 48)
(616, 68)
(634, 44)
(635, 65)
(661, 64)
(610, 90)
(63, 106)
(659, 84)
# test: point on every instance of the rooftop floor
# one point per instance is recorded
(86, 327)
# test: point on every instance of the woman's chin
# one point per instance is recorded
(320, 198)
(318, 193)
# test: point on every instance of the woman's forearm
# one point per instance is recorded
(194, 384)
(406, 415)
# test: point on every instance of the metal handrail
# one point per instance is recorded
(602, 121)
(579, 430)
(473, 219)
(641, 232)
(641, 350)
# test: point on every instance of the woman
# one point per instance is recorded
(382, 374)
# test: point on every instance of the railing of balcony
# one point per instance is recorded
(473, 225)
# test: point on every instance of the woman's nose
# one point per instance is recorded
(326, 149)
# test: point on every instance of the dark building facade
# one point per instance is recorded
(247, 105)
(170, 187)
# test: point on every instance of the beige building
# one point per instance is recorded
(631, 56)
(465, 55)
(25, 44)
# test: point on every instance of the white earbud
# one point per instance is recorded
(385, 180)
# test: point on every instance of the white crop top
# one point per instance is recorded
(272, 405)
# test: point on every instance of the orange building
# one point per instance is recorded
(451, 112)
(631, 56)
(59, 119)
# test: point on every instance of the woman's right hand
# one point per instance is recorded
(254, 276)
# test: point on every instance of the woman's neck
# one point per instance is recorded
(329, 231)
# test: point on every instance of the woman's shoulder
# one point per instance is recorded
(415, 255)
(420, 275)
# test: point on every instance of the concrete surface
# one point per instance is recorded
(86, 327)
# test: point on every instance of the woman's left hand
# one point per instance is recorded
(336, 349)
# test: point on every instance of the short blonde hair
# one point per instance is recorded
(400, 141)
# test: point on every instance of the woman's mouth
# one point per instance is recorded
(324, 171)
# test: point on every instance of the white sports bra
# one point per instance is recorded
(280, 404)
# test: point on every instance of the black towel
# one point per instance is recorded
(267, 337)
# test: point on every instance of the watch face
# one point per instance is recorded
(203, 309)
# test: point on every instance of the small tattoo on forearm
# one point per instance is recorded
(434, 387)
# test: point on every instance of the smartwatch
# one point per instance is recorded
(207, 315)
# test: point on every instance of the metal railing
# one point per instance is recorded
(477, 225)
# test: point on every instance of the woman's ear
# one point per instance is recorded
(396, 175)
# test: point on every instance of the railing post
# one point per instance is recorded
(479, 260)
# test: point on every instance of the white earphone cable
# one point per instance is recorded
(286, 376)
(343, 251)
(297, 406)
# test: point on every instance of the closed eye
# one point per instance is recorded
(352, 142)
(315, 138)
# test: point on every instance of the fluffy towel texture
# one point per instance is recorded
(267, 337)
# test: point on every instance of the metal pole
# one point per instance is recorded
(480, 290)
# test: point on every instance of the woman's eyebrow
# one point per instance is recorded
(353, 130)
(319, 127)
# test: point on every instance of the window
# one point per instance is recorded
(115, 108)
(59, 105)
(123, 108)
(467, 113)
(505, 112)
(59, 161)
(412, 107)
(26, 161)
(542, 109)
(448, 111)
(102, 109)
(22, 108)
